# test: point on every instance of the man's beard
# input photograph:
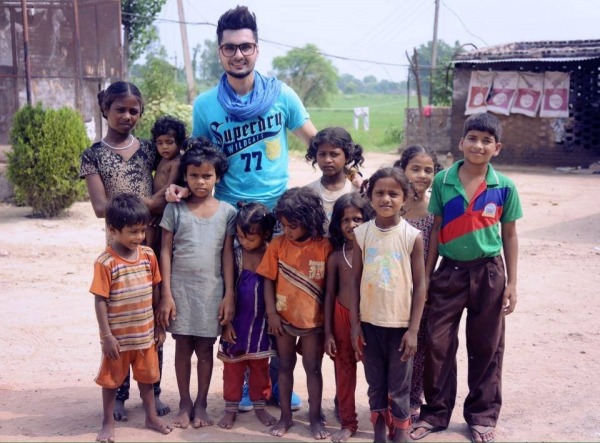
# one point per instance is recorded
(240, 75)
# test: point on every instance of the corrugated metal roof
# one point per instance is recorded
(521, 60)
(568, 50)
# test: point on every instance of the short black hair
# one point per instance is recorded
(167, 124)
(352, 199)
(116, 90)
(200, 150)
(484, 122)
(304, 207)
(126, 210)
(239, 17)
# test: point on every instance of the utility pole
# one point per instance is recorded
(26, 51)
(187, 62)
(434, 50)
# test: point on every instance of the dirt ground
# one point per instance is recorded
(49, 350)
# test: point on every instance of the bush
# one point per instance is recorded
(393, 135)
(157, 108)
(44, 163)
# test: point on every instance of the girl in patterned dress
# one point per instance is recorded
(246, 344)
(420, 164)
(122, 163)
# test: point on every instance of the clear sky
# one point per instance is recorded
(383, 31)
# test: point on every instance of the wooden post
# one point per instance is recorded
(189, 74)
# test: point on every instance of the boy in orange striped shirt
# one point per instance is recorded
(125, 288)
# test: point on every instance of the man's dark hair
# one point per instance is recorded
(126, 210)
(239, 17)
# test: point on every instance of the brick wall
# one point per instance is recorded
(433, 131)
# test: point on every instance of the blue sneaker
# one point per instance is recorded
(245, 404)
(296, 400)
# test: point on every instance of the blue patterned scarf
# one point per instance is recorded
(263, 95)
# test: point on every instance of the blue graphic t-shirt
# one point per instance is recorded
(257, 150)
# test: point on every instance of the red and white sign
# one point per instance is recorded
(555, 101)
(529, 94)
(503, 92)
(479, 89)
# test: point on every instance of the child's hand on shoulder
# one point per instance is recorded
(408, 345)
(228, 334)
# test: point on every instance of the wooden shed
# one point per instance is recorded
(572, 140)
(73, 49)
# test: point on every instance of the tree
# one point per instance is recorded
(210, 65)
(442, 91)
(312, 76)
(137, 17)
(163, 92)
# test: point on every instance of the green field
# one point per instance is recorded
(386, 114)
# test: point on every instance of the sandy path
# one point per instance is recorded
(50, 352)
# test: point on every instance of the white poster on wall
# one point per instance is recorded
(529, 94)
(503, 92)
(555, 99)
(479, 89)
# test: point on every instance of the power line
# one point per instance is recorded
(463, 23)
(325, 54)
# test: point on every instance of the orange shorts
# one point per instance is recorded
(144, 363)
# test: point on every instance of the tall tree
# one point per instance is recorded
(210, 66)
(312, 76)
(137, 17)
(442, 91)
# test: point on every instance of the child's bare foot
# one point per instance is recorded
(264, 417)
(342, 435)
(281, 427)
(107, 433)
(201, 418)
(228, 420)
(119, 412)
(318, 430)
(161, 408)
(184, 416)
(153, 422)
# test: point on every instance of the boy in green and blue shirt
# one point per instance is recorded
(475, 211)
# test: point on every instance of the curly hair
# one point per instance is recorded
(116, 90)
(302, 206)
(169, 125)
(395, 173)
(126, 210)
(252, 215)
(201, 150)
(352, 199)
(340, 138)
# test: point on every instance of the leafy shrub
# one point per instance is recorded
(44, 163)
(157, 108)
(394, 135)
